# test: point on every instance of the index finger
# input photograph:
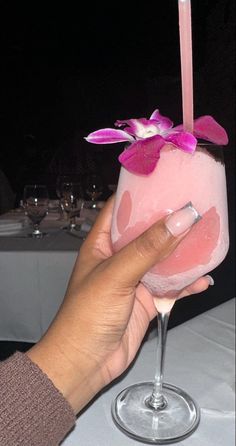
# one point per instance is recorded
(102, 224)
(97, 245)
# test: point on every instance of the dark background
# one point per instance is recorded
(66, 72)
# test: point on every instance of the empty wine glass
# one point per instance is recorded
(94, 187)
(36, 201)
(71, 202)
(60, 180)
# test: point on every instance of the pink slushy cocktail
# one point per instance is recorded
(164, 170)
(178, 178)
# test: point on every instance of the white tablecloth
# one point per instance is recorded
(200, 359)
(33, 278)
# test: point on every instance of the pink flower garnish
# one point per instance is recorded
(148, 136)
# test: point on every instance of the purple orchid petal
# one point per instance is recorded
(134, 125)
(124, 122)
(142, 156)
(183, 140)
(164, 126)
(207, 128)
(148, 136)
(128, 124)
(141, 128)
(108, 136)
(163, 122)
(156, 115)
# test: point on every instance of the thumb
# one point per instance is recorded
(135, 259)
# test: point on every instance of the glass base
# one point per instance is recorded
(72, 228)
(37, 234)
(134, 416)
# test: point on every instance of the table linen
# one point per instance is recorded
(200, 359)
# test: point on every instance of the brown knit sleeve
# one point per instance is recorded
(32, 411)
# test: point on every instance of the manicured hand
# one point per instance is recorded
(106, 310)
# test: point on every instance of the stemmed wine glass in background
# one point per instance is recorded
(71, 202)
(94, 188)
(36, 202)
(60, 180)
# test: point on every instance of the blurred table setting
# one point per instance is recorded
(34, 271)
(10, 226)
(16, 224)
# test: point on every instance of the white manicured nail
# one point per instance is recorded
(211, 280)
(182, 220)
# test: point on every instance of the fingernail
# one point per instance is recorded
(211, 280)
(182, 220)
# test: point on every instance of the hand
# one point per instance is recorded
(106, 311)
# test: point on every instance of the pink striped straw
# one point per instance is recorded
(185, 33)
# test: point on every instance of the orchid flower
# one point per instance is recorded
(146, 137)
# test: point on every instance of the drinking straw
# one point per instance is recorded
(185, 34)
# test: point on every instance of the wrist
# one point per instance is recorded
(72, 371)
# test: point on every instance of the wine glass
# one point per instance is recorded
(71, 202)
(94, 188)
(60, 180)
(36, 201)
(156, 412)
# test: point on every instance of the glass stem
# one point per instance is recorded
(72, 221)
(36, 228)
(157, 400)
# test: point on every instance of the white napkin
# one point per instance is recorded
(89, 214)
(86, 225)
(53, 206)
(52, 216)
(11, 226)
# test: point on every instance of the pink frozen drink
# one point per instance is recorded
(178, 178)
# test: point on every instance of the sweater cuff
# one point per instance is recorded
(32, 411)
